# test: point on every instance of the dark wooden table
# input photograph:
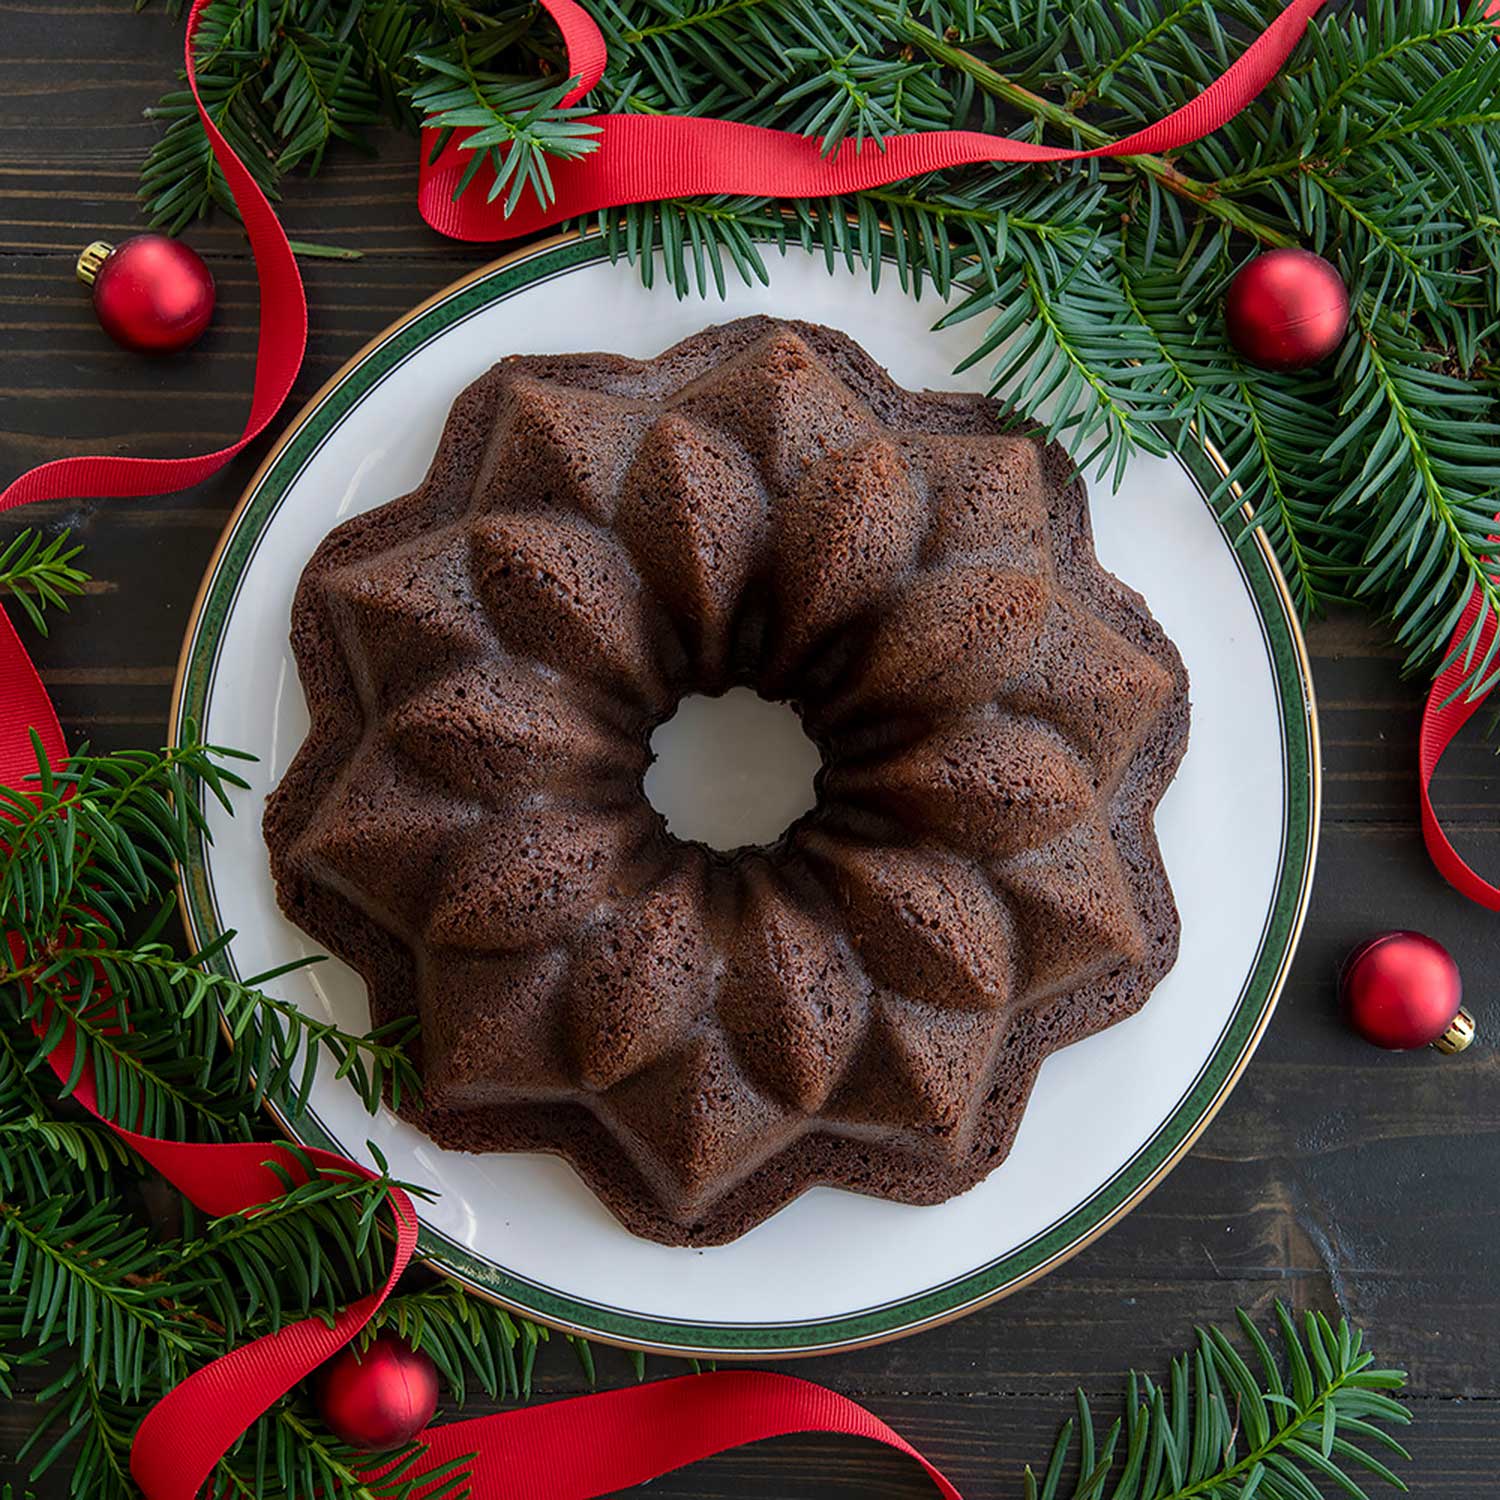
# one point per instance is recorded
(1337, 1177)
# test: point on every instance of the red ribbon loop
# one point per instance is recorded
(1446, 711)
(640, 158)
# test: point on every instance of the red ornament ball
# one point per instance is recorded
(379, 1397)
(1286, 309)
(151, 294)
(1402, 990)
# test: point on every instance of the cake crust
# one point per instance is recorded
(703, 1035)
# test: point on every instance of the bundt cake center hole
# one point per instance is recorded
(732, 770)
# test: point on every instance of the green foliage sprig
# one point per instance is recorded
(90, 850)
(1094, 290)
(40, 574)
(1217, 1430)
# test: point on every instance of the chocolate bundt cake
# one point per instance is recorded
(705, 1034)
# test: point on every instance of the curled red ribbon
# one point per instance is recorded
(1446, 711)
(640, 157)
(571, 1450)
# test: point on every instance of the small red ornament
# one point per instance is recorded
(379, 1397)
(151, 294)
(1402, 990)
(1286, 309)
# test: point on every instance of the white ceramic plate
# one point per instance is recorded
(1108, 1116)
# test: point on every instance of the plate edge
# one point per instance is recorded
(1132, 1200)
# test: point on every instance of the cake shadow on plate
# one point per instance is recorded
(705, 1034)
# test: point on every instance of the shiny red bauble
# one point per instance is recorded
(1286, 309)
(1402, 990)
(377, 1398)
(151, 294)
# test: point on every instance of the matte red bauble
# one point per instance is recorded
(379, 1397)
(151, 294)
(1286, 309)
(1402, 990)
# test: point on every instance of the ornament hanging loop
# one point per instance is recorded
(1459, 1034)
(91, 258)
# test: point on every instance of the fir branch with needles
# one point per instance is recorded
(90, 849)
(467, 1337)
(1102, 281)
(1222, 1428)
(39, 575)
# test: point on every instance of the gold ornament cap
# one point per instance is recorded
(1459, 1034)
(92, 259)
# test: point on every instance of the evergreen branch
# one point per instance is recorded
(515, 124)
(1277, 513)
(1418, 263)
(1443, 469)
(32, 1146)
(311, 1464)
(1204, 195)
(89, 845)
(695, 237)
(181, 179)
(78, 994)
(372, 1061)
(686, 20)
(310, 1250)
(1067, 373)
(1148, 31)
(91, 1426)
(1175, 368)
(1402, 130)
(143, 1080)
(321, 98)
(99, 837)
(1410, 40)
(1058, 339)
(1217, 1431)
(38, 576)
(86, 1275)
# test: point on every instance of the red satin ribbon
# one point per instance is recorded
(644, 157)
(1447, 710)
(571, 1450)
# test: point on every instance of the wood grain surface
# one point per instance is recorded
(1336, 1177)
